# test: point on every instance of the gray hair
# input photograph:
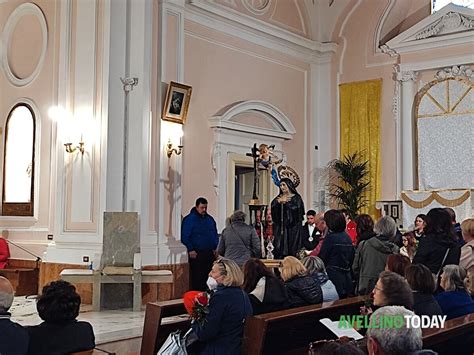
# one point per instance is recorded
(394, 341)
(238, 216)
(386, 226)
(6, 294)
(453, 276)
(314, 264)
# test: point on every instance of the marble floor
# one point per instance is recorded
(109, 326)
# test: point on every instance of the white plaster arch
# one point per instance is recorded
(233, 138)
(282, 126)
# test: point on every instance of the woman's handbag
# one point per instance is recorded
(175, 344)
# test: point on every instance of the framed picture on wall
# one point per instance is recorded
(177, 102)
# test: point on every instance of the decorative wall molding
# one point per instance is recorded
(463, 71)
(452, 25)
(380, 24)
(231, 22)
(232, 137)
(259, 7)
(452, 22)
(282, 126)
(406, 76)
(15, 16)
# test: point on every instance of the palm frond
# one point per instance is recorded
(351, 182)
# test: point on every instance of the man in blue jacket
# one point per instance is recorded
(199, 235)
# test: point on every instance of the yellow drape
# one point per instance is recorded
(360, 131)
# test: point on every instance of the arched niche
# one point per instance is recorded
(237, 127)
(444, 134)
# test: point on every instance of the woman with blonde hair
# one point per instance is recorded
(302, 288)
(229, 306)
(467, 252)
(455, 301)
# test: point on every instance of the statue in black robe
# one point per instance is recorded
(287, 215)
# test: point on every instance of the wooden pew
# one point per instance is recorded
(457, 337)
(155, 331)
(290, 331)
(260, 331)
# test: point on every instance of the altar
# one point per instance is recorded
(416, 202)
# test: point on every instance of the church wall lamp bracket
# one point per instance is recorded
(70, 149)
(170, 149)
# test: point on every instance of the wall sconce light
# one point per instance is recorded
(170, 150)
(71, 149)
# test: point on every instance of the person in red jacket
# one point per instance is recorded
(4, 251)
(350, 226)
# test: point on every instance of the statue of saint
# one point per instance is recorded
(287, 215)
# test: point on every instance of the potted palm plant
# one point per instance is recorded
(349, 182)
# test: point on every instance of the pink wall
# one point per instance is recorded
(41, 91)
(222, 70)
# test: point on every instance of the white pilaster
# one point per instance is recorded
(407, 96)
(169, 209)
(322, 131)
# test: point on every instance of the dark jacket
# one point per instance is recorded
(239, 242)
(275, 297)
(431, 251)
(426, 305)
(455, 303)
(303, 291)
(60, 338)
(309, 241)
(369, 261)
(13, 337)
(198, 232)
(222, 330)
(337, 254)
(365, 236)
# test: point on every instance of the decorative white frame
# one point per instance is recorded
(234, 137)
(15, 16)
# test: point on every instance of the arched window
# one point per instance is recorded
(19, 162)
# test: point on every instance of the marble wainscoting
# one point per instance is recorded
(150, 292)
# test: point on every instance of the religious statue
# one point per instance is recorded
(287, 214)
(267, 158)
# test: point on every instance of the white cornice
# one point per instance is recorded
(452, 25)
(282, 126)
(233, 23)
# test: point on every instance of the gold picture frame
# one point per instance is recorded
(177, 102)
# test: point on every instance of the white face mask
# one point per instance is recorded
(211, 283)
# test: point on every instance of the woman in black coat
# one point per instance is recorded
(422, 283)
(439, 244)
(337, 253)
(266, 292)
(302, 288)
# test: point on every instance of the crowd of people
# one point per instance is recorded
(428, 271)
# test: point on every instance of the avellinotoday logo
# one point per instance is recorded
(394, 322)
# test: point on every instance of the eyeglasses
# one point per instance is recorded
(378, 289)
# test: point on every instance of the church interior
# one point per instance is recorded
(116, 115)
